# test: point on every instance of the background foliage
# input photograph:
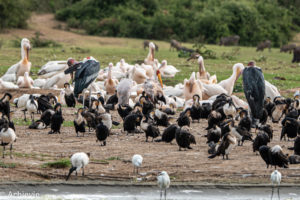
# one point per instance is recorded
(184, 20)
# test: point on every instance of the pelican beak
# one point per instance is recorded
(27, 52)
(159, 78)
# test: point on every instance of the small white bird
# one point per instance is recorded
(7, 137)
(31, 106)
(137, 161)
(163, 181)
(78, 160)
(275, 179)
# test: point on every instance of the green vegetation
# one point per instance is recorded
(186, 20)
(113, 158)
(62, 163)
(7, 165)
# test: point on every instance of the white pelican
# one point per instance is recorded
(53, 66)
(149, 69)
(191, 87)
(271, 90)
(275, 180)
(40, 82)
(57, 81)
(7, 85)
(150, 57)
(109, 83)
(25, 81)
(18, 69)
(138, 74)
(167, 70)
(228, 84)
(203, 74)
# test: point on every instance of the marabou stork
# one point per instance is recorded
(86, 73)
(254, 89)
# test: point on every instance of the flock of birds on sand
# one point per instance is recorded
(144, 103)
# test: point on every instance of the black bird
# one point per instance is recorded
(205, 110)
(90, 119)
(4, 105)
(214, 118)
(297, 146)
(294, 159)
(184, 118)
(269, 105)
(147, 105)
(184, 138)
(220, 101)
(11, 124)
(264, 117)
(213, 134)
(39, 124)
(196, 108)
(152, 131)
(100, 98)
(69, 96)
(261, 139)
(111, 102)
(168, 110)
(239, 132)
(161, 118)
(56, 119)
(79, 122)
(131, 122)
(102, 133)
(44, 103)
(245, 121)
(267, 129)
(273, 156)
(254, 89)
(227, 143)
(290, 127)
(169, 133)
(124, 110)
(85, 73)
(46, 116)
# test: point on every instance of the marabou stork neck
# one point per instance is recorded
(86, 73)
(254, 89)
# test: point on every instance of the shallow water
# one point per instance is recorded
(66, 192)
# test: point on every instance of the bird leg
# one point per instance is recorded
(165, 194)
(82, 171)
(272, 192)
(137, 170)
(278, 192)
(25, 115)
(160, 194)
(90, 98)
(10, 151)
(133, 169)
(3, 152)
(227, 157)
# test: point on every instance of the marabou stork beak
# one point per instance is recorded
(159, 78)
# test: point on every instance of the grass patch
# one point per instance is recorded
(68, 124)
(21, 122)
(7, 165)
(59, 164)
(113, 158)
(100, 161)
(116, 127)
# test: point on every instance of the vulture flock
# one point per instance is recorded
(144, 103)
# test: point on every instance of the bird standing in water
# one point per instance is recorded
(275, 179)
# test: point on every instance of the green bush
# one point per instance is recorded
(13, 14)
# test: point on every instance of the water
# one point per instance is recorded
(93, 192)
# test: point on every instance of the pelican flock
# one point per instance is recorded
(144, 103)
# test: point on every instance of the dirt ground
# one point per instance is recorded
(33, 148)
